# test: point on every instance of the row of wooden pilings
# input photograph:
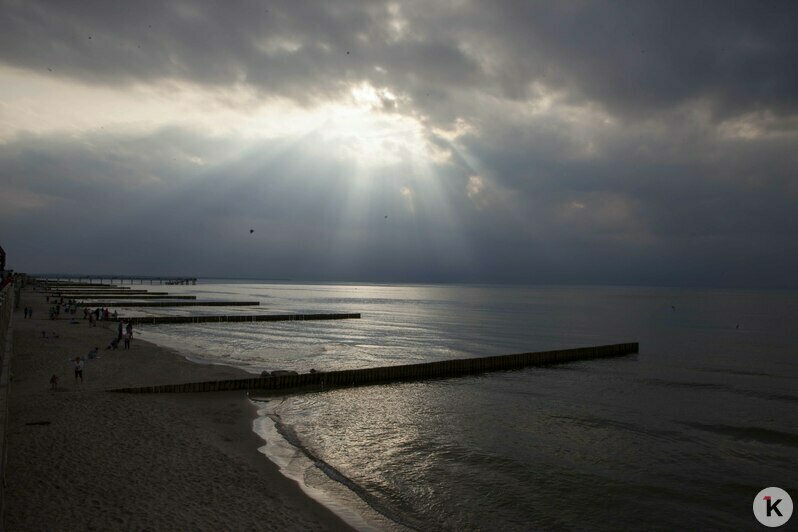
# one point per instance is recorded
(79, 294)
(70, 280)
(128, 304)
(428, 370)
(157, 320)
(135, 297)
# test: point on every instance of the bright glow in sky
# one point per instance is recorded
(578, 143)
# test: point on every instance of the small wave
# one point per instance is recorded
(684, 384)
(289, 434)
(613, 424)
(725, 388)
(739, 372)
(769, 396)
(755, 434)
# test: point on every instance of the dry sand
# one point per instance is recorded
(81, 458)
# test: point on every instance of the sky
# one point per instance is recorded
(573, 142)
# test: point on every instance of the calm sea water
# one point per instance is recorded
(682, 435)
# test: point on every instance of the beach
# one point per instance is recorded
(672, 435)
(81, 458)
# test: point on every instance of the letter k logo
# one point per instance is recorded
(772, 507)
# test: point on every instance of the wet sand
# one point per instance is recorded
(81, 458)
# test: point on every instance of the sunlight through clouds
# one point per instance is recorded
(406, 140)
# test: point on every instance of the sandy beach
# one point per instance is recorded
(81, 458)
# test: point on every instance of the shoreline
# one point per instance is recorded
(80, 457)
(319, 480)
(292, 459)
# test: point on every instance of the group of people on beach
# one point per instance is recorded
(98, 314)
(124, 334)
(70, 307)
(28, 312)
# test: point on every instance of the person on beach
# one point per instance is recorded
(129, 329)
(119, 330)
(79, 369)
(93, 353)
(54, 382)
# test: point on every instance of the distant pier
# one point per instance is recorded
(158, 320)
(113, 291)
(120, 295)
(103, 293)
(129, 279)
(410, 372)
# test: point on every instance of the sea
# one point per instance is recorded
(682, 435)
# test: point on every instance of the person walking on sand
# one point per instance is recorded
(119, 330)
(79, 369)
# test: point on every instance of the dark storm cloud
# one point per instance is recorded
(303, 51)
(667, 157)
(645, 56)
(132, 203)
(178, 201)
(632, 57)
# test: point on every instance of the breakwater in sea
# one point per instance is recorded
(429, 370)
(630, 434)
(158, 320)
(130, 304)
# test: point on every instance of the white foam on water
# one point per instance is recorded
(312, 479)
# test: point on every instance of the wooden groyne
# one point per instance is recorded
(89, 288)
(158, 320)
(54, 284)
(110, 295)
(117, 291)
(129, 296)
(429, 370)
(95, 295)
(170, 304)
